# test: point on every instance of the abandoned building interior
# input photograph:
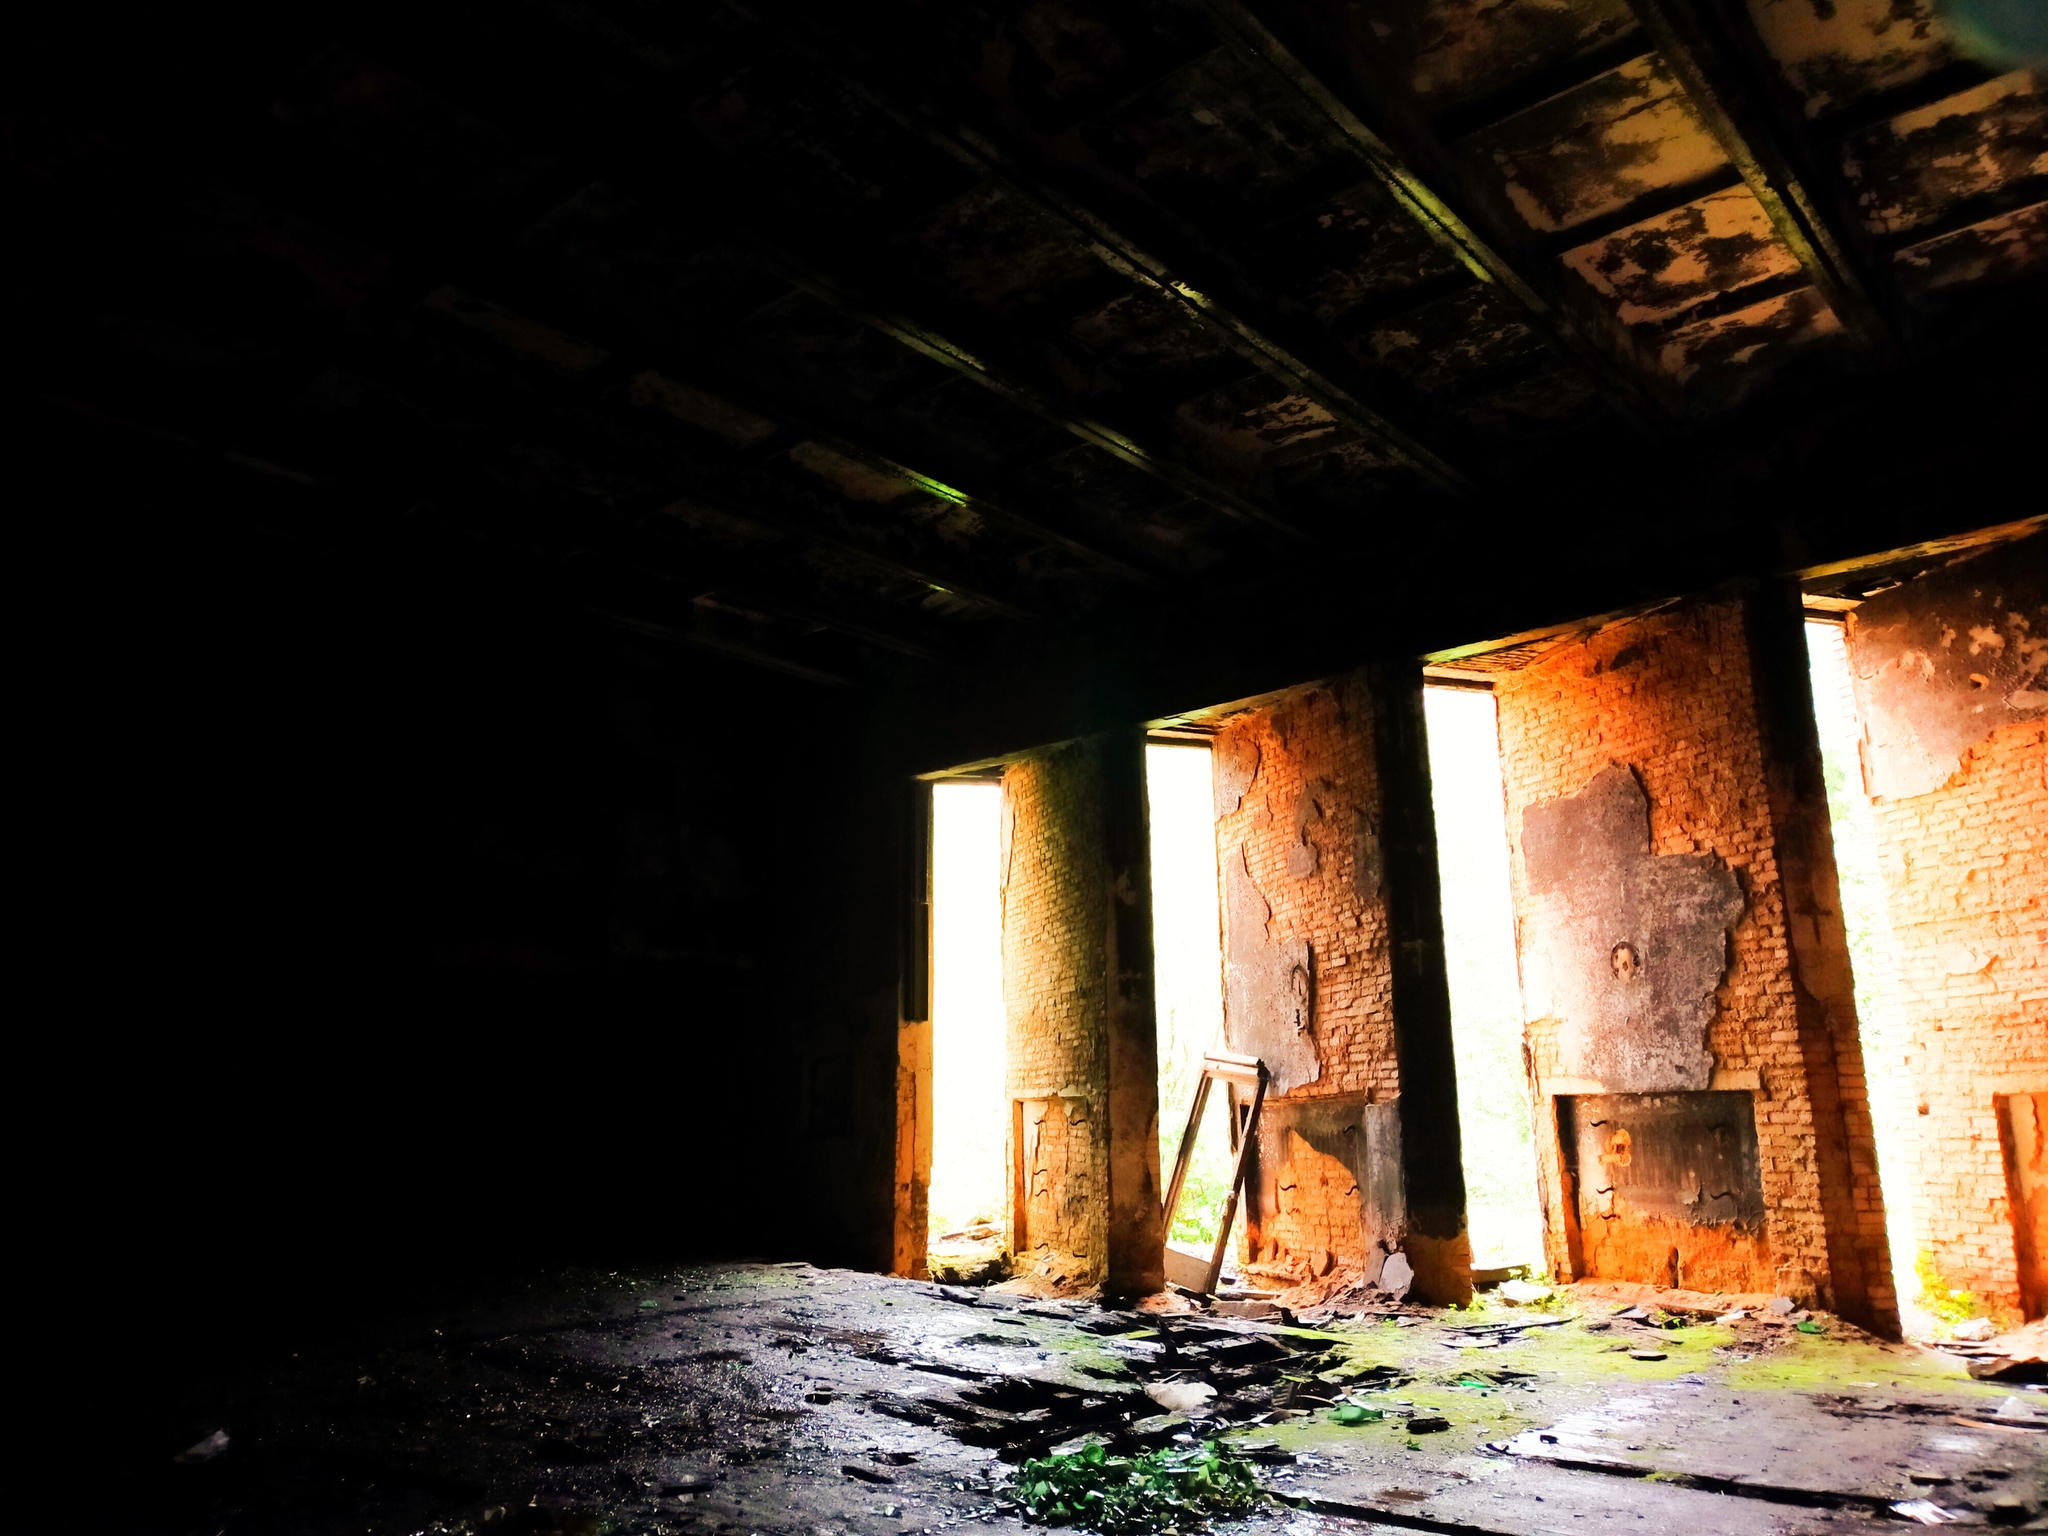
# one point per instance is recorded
(799, 753)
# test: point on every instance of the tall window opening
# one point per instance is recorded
(1187, 950)
(970, 1111)
(1502, 1208)
(1879, 1017)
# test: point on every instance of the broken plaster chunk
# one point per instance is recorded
(1975, 1331)
(1396, 1275)
(1925, 1512)
(1961, 960)
(1180, 1396)
(1522, 1293)
(205, 1450)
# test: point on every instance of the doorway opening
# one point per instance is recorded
(1187, 957)
(969, 1099)
(1503, 1212)
(1882, 1023)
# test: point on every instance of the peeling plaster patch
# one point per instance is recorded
(1923, 704)
(1440, 343)
(1999, 250)
(1627, 946)
(1463, 48)
(1268, 987)
(1234, 764)
(1730, 340)
(1834, 52)
(1912, 170)
(1257, 143)
(848, 476)
(1593, 150)
(1657, 268)
(1329, 479)
(1247, 420)
(1140, 333)
(1549, 399)
(1352, 250)
(1143, 513)
(998, 251)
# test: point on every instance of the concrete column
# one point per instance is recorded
(1432, 1166)
(1824, 989)
(1136, 1228)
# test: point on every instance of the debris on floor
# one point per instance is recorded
(765, 1400)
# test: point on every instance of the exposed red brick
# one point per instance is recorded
(1966, 884)
(1673, 697)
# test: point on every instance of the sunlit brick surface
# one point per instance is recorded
(1670, 696)
(1966, 881)
(1318, 744)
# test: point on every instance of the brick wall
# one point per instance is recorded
(1673, 697)
(1966, 879)
(1055, 999)
(1306, 828)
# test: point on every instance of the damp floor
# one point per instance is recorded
(784, 1400)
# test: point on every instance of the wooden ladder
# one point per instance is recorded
(1235, 1073)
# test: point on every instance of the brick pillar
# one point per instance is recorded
(1823, 984)
(1432, 1165)
(912, 1225)
(1136, 1238)
(1077, 990)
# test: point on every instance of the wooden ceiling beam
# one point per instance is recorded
(930, 341)
(635, 148)
(1735, 87)
(1479, 113)
(1192, 279)
(1310, 50)
(798, 427)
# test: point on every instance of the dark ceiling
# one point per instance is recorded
(908, 334)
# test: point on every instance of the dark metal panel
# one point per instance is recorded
(1688, 1157)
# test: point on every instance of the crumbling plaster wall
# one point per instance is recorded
(1965, 871)
(1674, 697)
(1055, 919)
(1083, 1065)
(1298, 843)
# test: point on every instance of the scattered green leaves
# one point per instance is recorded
(1176, 1489)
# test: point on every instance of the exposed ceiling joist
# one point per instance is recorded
(1733, 85)
(942, 584)
(624, 159)
(1171, 276)
(792, 428)
(1519, 95)
(1374, 118)
(935, 344)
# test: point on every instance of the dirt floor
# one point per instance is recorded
(774, 1400)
